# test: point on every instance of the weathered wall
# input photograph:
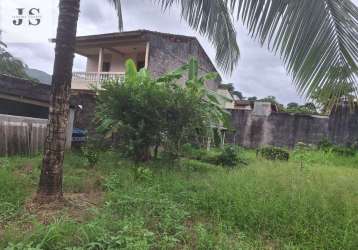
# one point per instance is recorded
(168, 52)
(277, 129)
(286, 130)
(21, 135)
(343, 124)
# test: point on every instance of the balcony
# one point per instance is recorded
(88, 80)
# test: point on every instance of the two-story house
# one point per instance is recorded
(158, 52)
(106, 55)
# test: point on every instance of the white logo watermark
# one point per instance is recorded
(27, 21)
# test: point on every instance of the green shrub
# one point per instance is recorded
(91, 155)
(301, 153)
(274, 153)
(325, 145)
(228, 157)
(146, 112)
(143, 174)
(344, 151)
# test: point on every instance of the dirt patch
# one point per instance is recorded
(74, 205)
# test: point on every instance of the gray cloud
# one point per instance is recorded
(259, 72)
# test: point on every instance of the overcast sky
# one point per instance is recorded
(259, 73)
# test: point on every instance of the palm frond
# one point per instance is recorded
(117, 5)
(316, 39)
(212, 19)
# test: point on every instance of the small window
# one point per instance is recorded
(140, 64)
(106, 67)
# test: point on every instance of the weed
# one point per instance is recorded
(274, 153)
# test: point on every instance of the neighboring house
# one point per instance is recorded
(227, 99)
(158, 52)
(244, 104)
(22, 97)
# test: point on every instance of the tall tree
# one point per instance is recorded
(316, 40)
(50, 186)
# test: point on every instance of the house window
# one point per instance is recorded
(106, 66)
(140, 64)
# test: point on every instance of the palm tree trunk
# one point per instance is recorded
(50, 185)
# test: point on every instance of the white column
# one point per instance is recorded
(71, 118)
(147, 55)
(100, 63)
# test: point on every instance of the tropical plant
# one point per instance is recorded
(323, 96)
(316, 40)
(146, 113)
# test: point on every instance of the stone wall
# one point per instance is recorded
(169, 52)
(253, 129)
(343, 124)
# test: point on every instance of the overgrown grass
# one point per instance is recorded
(192, 205)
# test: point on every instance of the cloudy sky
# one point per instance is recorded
(259, 73)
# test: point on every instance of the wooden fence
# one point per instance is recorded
(21, 135)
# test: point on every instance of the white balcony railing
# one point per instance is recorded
(88, 80)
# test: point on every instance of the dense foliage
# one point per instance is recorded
(147, 113)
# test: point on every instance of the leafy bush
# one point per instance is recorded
(325, 145)
(146, 113)
(274, 153)
(228, 157)
(91, 155)
(302, 153)
(143, 174)
(344, 151)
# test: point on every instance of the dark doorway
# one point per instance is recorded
(106, 67)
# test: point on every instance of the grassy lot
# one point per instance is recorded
(184, 205)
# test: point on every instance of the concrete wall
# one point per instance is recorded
(343, 124)
(253, 129)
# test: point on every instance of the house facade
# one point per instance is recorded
(106, 55)
(158, 52)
